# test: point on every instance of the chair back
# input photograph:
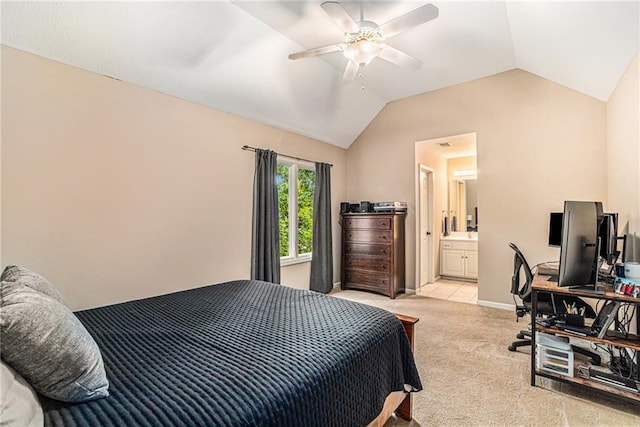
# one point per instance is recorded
(520, 262)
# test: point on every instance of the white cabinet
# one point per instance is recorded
(472, 264)
(452, 262)
(459, 259)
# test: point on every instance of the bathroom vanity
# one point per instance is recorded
(459, 256)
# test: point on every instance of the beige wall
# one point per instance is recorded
(116, 192)
(623, 152)
(538, 144)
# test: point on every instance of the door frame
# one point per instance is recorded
(431, 240)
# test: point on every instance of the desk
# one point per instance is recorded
(542, 284)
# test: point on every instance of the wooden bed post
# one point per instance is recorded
(404, 410)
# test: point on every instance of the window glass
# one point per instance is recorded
(306, 182)
(295, 209)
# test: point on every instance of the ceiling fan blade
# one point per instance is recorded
(398, 57)
(350, 72)
(409, 20)
(317, 51)
(340, 16)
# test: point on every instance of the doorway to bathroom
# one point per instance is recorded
(447, 218)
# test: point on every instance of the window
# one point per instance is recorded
(296, 183)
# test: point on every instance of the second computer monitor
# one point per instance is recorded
(608, 233)
(609, 238)
(555, 229)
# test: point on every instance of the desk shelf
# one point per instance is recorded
(542, 284)
(589, 383)
(613, 338)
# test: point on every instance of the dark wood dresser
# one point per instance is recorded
(373, 252)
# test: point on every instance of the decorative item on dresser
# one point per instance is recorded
(373, 252)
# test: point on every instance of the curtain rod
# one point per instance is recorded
(246, 147)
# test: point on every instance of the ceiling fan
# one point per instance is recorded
(365, 40)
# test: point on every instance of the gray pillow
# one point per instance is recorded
(15, 273)
(19, 405)
(46, 344)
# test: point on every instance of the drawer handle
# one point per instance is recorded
(383, 223)
(384, 237)
(383, 266)
(384, 251)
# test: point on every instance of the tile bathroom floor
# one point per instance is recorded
(452, 290)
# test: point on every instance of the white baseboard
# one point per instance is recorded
(500, 305)
(336, 285)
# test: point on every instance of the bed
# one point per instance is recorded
(243, 353)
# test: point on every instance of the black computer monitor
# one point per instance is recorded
(579, 247)
(609, 238)
(555, 229)
(608, 234)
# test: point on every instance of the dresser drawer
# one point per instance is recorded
(368, 236)
(366, 279)
(368, 222)
(376, 264)
(367, 249)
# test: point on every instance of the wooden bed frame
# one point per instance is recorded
(398, 401)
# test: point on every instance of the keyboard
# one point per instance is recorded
(577, 330)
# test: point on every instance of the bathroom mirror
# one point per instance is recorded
(463, 204)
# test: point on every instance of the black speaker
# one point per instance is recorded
(365, 206)
(354, 207)
(344, 207)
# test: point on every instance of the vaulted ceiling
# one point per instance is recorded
(233, 55)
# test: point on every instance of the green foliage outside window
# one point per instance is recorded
(305, 186)
(282, 180)
(306, 182)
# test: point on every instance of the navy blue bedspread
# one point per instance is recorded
(242, 353)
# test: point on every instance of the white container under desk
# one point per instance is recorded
(459, 257)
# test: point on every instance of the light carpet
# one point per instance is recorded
(471, 379)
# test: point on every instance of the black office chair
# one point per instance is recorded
(548, 304)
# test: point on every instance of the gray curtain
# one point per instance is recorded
(265, 241)
(322, 256)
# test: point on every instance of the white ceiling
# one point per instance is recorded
(233, 55)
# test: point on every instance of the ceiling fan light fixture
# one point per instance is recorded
(363, 46)
(365, 40)
(362, 52)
